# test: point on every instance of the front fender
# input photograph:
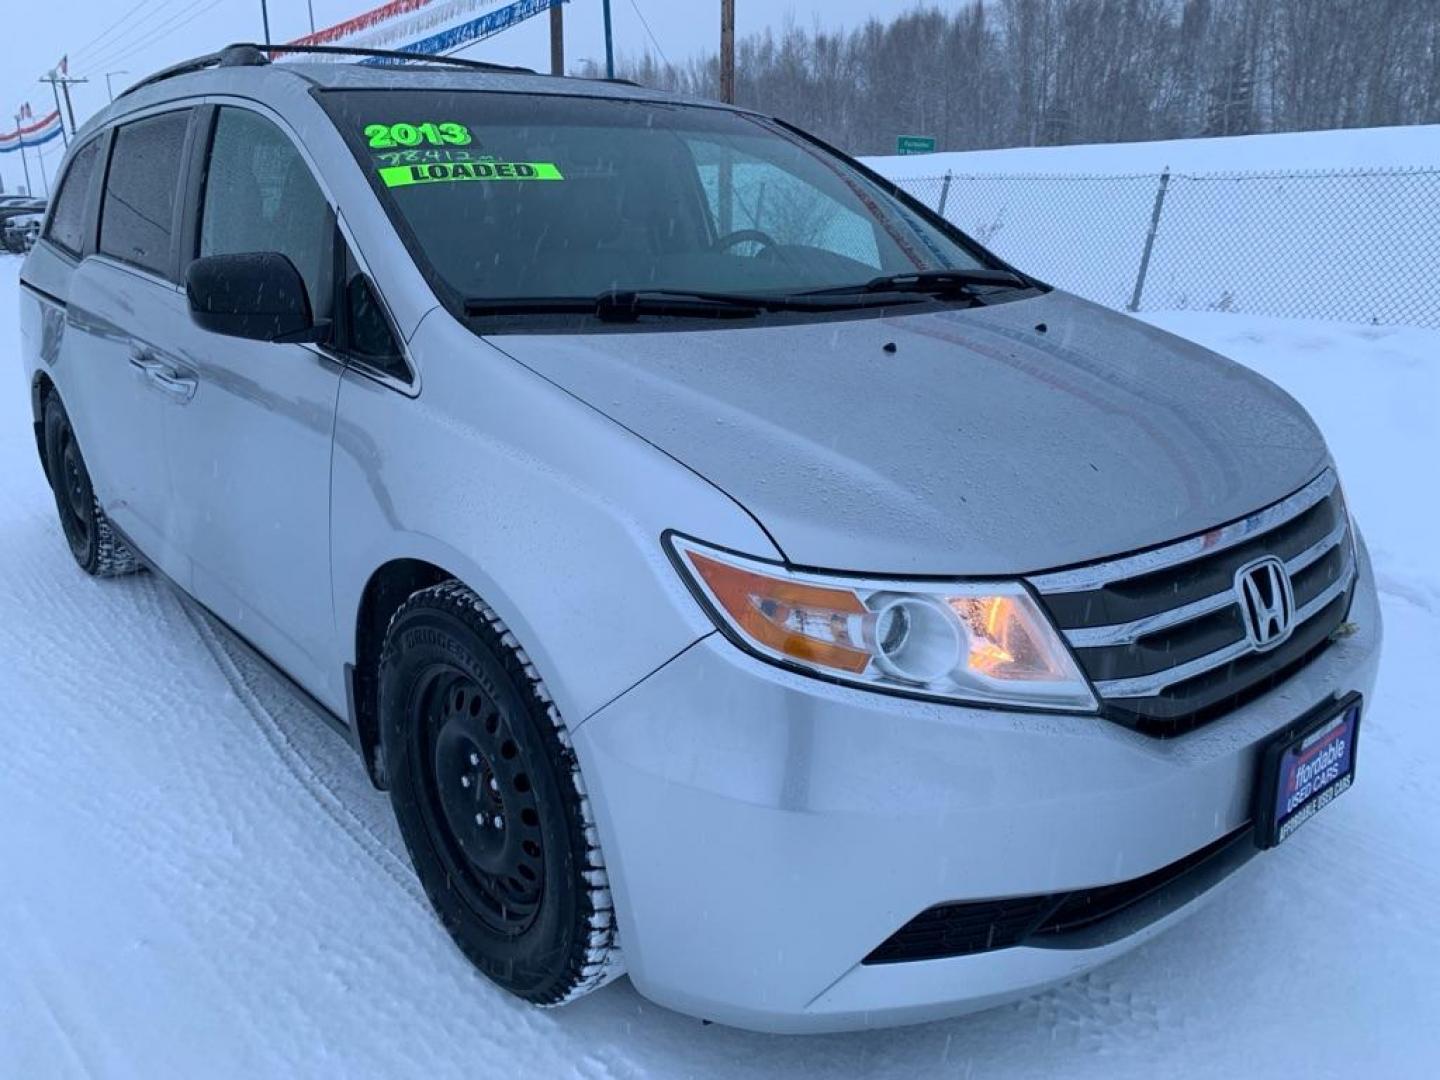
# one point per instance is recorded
(550, 511)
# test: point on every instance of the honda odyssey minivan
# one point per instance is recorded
(735, 575)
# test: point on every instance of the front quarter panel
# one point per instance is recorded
(550, 511)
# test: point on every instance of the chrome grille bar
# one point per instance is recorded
(1085, 578)
(1091, 637)
(1149, 685)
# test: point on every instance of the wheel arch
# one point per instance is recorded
(391, 584)
(41, 387)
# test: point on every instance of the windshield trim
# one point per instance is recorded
(456, 302)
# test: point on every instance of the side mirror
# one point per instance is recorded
(259, 295)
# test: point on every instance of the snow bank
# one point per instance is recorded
(1355, 148)
(1326, 224)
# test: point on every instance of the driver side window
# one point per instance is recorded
(259, 196)
(745, 193)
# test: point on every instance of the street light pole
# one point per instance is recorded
(24, 161)
(265, 17)
(108, 88)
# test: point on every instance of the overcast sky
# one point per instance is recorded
(138, 36)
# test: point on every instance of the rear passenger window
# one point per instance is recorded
(67, 223)
(137, 218)
(259, 196)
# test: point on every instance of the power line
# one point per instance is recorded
(123, 19)
(654, 40)
(141, 33)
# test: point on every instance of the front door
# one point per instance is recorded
(250, 452)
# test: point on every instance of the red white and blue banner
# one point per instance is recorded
(30, 132)
(428, 27)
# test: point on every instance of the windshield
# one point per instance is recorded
(511, 197)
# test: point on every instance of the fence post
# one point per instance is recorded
(944, 194)
(1150, 240)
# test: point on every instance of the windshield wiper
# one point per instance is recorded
(627, 305)
(932, 282)
(621, 305)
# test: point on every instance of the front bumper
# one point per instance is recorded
(764, 832)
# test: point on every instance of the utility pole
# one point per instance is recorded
(310, 6)
(108, 88)
(64, 84)
(61, 85)
(727, 51)
(265, 18)
(55, 90)
(609, 44)
(557, 38)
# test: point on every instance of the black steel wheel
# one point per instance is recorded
(479, 802)
(489, 799)
(92, 539)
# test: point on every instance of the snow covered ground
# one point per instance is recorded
(1309, 224)
(195, 879)
(1417, 146)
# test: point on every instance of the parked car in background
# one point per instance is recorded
(20, 221)
(716, 554)
(20, 231)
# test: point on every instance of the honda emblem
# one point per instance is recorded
(1267, 602)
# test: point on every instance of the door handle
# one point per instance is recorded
(178, 386)
(144, 361)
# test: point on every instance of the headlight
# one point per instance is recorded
(985, 642)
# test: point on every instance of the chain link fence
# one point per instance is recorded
(1355, 246)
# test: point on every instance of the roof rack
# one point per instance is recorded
(398, 55)
(249, 54)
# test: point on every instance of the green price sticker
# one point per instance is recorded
(438, 173)
(391, 136)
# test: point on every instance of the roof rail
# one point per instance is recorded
(240, 55)
(249, 54)
(397, 55)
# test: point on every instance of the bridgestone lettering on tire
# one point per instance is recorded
(490, 800)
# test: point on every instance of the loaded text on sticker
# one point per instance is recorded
(404, 175)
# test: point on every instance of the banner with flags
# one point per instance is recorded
(352, 30)
(431, 27)
(30, 132)
(450, 38)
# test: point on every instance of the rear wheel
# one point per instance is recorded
(87, 530)
(490, 801)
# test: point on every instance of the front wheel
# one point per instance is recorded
(490, 802)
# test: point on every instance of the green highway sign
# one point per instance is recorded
(915, 144)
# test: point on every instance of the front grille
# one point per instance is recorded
(1161, 634)
(983, 926)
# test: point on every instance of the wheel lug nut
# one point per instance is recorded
(479, 819)
(499, 822)
(474, 759)
(494, 786)
(464, 781)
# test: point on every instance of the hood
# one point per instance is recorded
(978, 444)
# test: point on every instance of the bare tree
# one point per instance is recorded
(980, 73)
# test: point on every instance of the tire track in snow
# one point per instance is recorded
(298, 766)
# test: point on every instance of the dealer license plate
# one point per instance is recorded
(1304, 770)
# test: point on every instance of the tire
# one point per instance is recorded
(93, 542)
(490, 800)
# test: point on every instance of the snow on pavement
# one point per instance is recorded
(195, 878)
